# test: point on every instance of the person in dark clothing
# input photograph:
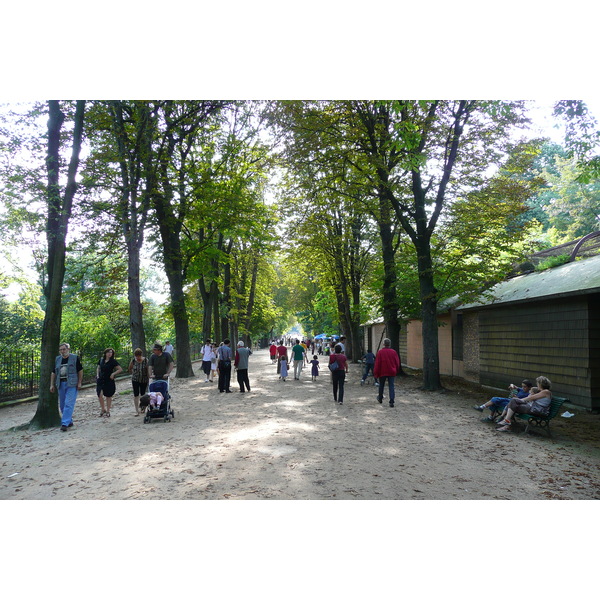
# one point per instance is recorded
(338, 376)
(160, 364)
(224, 356)
(108, 368)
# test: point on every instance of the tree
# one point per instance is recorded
(582, 138)
(175, 129)
(413, 158)
(59, 206)
(574, 207)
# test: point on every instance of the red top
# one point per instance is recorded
(281, 350)
(273, 349)
(341, 360)
(387, 363)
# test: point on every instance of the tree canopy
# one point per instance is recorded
(261, 215)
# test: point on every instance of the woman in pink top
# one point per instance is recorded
(338, 377)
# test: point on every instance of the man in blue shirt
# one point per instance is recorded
(498, 404)
(369, 359)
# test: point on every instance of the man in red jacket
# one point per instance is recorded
(387, 365)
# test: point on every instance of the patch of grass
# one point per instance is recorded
(553, 261)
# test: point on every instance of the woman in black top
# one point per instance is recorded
(108, 369)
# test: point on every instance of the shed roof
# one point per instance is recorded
(574, 278)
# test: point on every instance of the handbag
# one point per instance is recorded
(333, 366)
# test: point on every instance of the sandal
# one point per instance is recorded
(107, 414)
(102, 413)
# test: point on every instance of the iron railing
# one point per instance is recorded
(20, 370)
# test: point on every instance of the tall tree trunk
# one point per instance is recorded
(216, 300)
(133, 220)
(169, 233)
(59, 213)
(389, 295)
(431, 360)
(226, 304)
(136, 309)
(206, 308)
(250, 305)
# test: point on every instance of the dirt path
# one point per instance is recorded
(291, 441)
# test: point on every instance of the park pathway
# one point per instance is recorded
(289, 440)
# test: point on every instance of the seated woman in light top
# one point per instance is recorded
(534, 404)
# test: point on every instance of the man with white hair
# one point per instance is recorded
(387, 366)
(67, 377)
(241, 366)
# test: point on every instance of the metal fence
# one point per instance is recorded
(20, 370)
(19, 374)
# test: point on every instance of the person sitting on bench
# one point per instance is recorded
(534, 404)
(498, 404)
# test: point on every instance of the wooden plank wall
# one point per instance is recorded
(594, 345)
(538, 338)
(471, 361)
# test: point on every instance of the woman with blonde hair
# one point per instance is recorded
(534, 404)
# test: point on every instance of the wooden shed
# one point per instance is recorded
(541, 323)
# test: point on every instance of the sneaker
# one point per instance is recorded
(503, 422)
(70, 424)
(64, 428)
(505, 428)
(488, 420)
(478, 408)
(391, 405)
(362, 382)
(380, 400)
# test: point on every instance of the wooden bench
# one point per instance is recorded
(540, 421)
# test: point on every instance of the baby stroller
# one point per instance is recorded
(164, 411)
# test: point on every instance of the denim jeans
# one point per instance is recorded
(368, 367)
(499, 403)
(67, 397)
(382, 379)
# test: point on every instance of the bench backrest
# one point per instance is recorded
(555, 406)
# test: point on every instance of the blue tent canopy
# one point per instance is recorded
(321, 336)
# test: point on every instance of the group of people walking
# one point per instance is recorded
(385, 366)
(217, 362)
(67, 377)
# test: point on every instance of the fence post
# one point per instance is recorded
(32, 373)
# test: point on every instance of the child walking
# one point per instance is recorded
(315, 367)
